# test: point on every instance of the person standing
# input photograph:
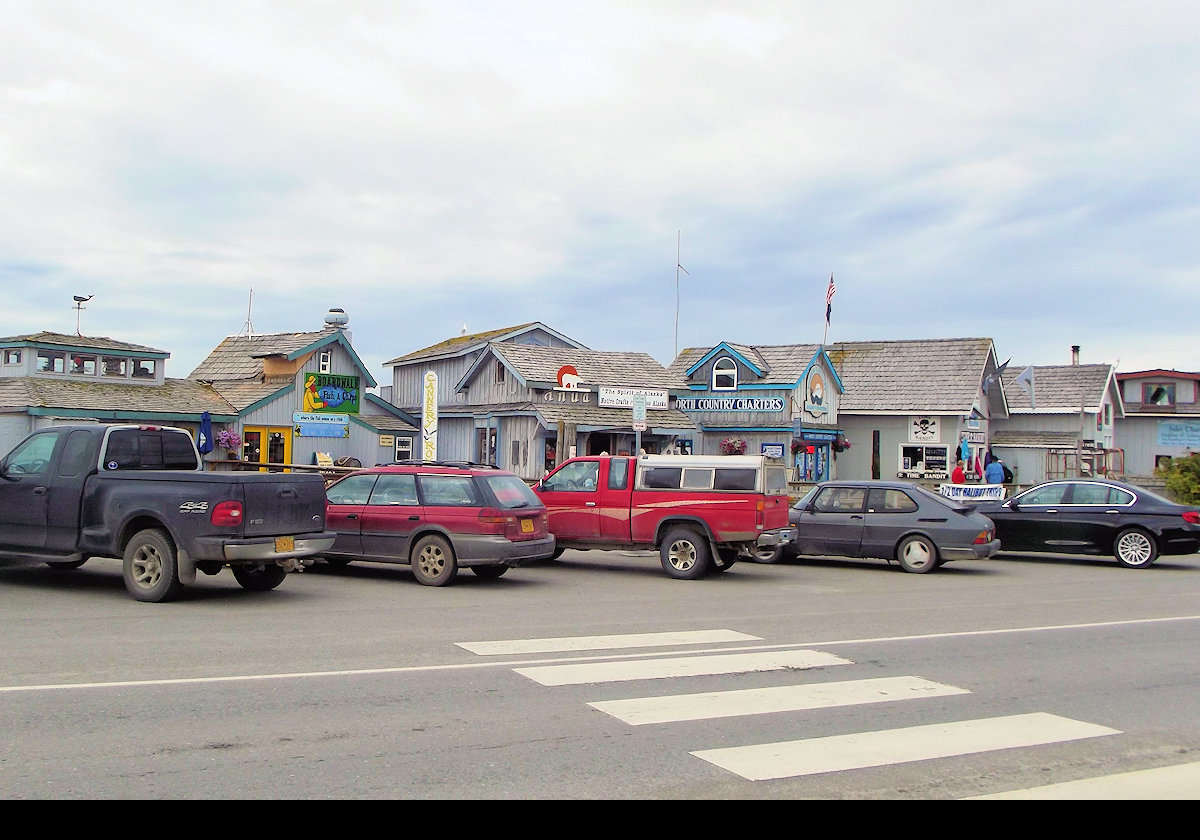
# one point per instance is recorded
(958, 476)
(994, 472)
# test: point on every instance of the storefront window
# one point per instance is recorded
(923, 462)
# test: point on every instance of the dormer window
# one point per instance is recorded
(1158, 393)
(49, 361)
(724, 375)
(12, 357)
(143, 368)
(83, 365)
(115, 366)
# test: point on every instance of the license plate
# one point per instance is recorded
(526, 526)
(285, 544)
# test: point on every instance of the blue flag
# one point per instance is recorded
(204, 436)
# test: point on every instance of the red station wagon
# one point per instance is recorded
(437, 516)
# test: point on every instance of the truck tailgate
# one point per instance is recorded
(279, 504)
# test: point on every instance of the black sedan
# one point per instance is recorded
(1095, 516)
(892, 520)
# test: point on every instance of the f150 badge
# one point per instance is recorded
(194, 507)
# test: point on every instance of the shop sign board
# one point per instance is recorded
(625, 397)
(730, 404)
(331, 393)
(429, 417)
(312, 424)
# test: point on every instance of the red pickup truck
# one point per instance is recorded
(701, 513)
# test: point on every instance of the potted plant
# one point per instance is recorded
(231, 441)
(841, 444)
(733, 446)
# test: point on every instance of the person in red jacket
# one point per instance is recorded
(958, 476)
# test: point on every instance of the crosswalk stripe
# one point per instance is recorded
(874, 749)
(629, 640)
(758, 701)
(1178, 782)
(683, 666)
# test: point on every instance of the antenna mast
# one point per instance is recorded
(678, 268)
(80, 300)
(248, 327)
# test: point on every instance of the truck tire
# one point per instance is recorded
(685, 554)
(150, 566)
(768, 554)
(259, 577)
(433, 562)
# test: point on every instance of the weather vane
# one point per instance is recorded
(80, 300)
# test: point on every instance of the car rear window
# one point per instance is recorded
(448, 490)
(511, 492)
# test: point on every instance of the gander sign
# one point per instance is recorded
(730, 404)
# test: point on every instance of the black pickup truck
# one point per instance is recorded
(72, 492)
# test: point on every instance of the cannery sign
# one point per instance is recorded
(730, 404)
(429, 417)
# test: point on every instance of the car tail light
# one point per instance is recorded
(227, 513)
(1192, 517)
(984, 538)
(760, 514)
(492, 516)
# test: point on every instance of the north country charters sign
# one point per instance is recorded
(730, 404)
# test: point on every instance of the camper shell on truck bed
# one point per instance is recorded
(700, 512)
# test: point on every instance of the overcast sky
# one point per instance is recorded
(1024, 171)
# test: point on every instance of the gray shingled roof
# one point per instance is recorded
(552, 413)
(1057, 389)
(1035, 440)
(240, 356)
(459, 344)
(174, 396)
(595, 367)
(782, 364)
(921, 375)
(81, 341)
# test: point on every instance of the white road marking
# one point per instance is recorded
(683, 666)
(1179, 782)
(475, 666)
(630, 640)
(759, 701)
(896, 746)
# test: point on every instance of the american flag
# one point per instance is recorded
(829, 293)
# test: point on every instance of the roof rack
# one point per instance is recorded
(463, 465)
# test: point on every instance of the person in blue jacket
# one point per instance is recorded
(994, 472)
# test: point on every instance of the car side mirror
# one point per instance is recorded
(1012, 505)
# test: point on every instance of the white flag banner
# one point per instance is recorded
(1025, 380)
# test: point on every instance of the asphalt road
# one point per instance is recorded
(597, 677)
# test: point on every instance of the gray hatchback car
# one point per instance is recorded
(893, 520)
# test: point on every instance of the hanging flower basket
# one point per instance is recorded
(230, 441)
(841, 444)
(733, 446)
(798, 446)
